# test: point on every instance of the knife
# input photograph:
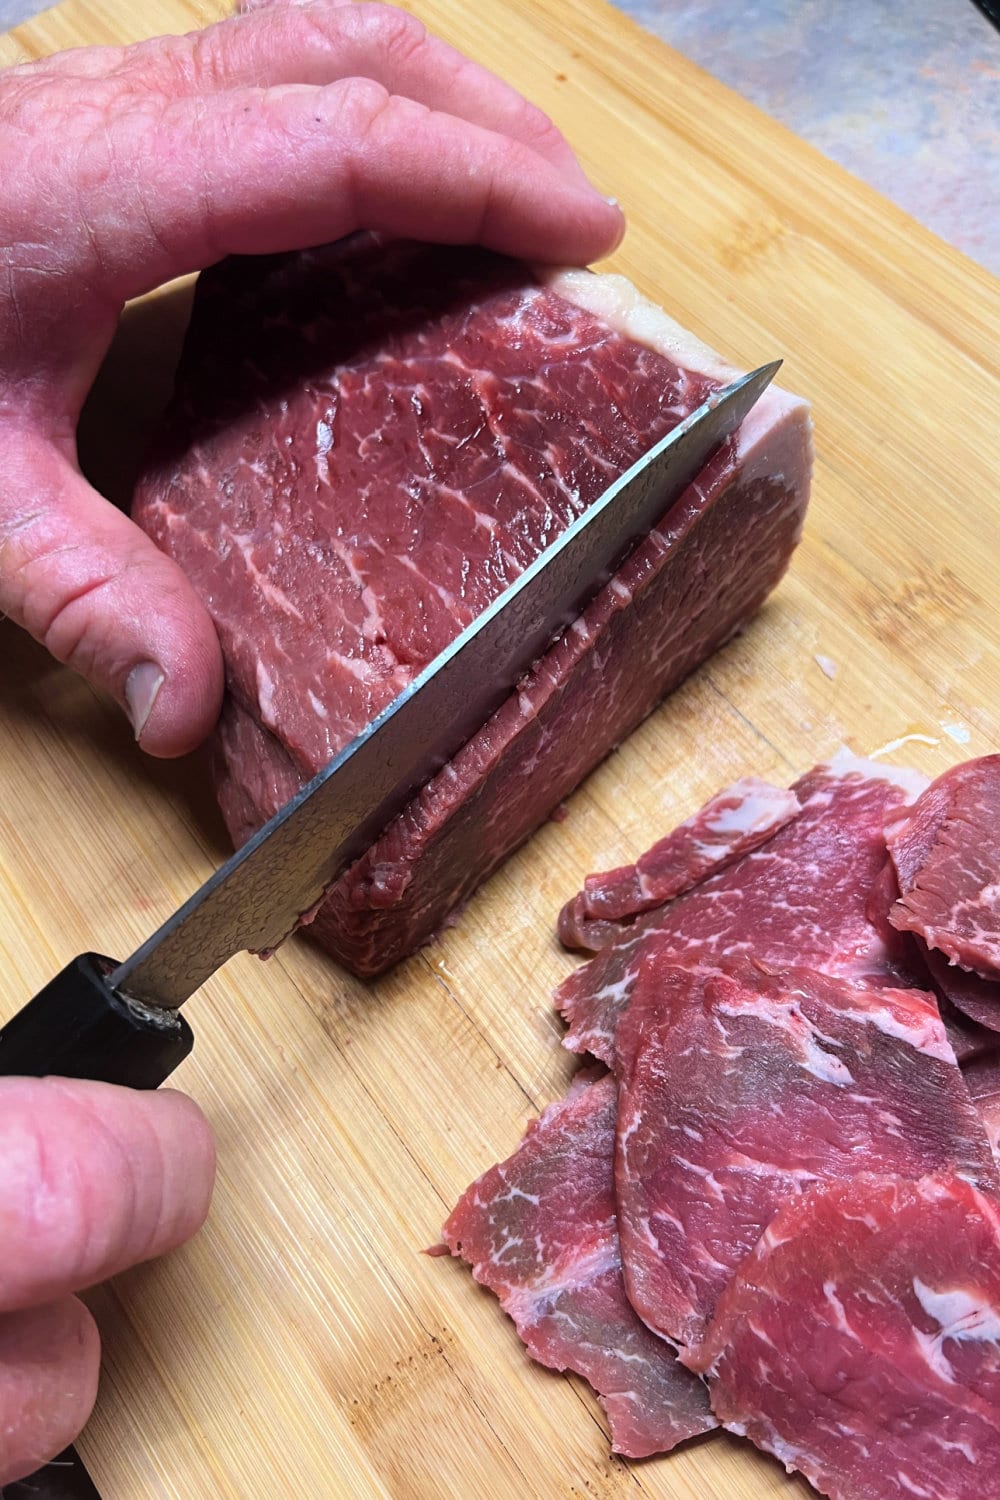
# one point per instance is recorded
(991, 10)
(121, 1022)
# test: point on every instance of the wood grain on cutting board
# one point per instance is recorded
(303, 1345)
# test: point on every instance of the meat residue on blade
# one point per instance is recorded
(798, 1134)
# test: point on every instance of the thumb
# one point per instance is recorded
(97, 594)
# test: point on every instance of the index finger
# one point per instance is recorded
(94, 1179)
(174, 185)
(321, 41)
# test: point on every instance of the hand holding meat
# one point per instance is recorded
(122, 168)
(93, 1179)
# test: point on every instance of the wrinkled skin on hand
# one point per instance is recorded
(288, 125)
(93, 1179)
(285, 126)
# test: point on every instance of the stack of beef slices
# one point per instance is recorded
(772, 1204)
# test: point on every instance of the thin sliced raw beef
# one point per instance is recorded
(969, 1006)
(368, 443)
(947, 857)
(972, 996)
(731, 823)
(800, 899)
(739, 1088)
(968, 1039)
(539, 1230)
(982, 1079)
(860, 1342)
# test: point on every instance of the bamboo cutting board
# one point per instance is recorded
(303, 1346)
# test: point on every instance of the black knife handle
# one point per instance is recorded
(79, 1027)
(65, 1478)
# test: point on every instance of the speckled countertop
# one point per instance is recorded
(904, 93)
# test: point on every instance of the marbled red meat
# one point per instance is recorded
(975, 998)
(969, 1006)
(860, 1342)
(730, 824)
(800, 899)
(982, 1079)
(368, 442)
(967, 1038)
(757, 1096)
(947, 857)
(539, 1230)
(738, 1088)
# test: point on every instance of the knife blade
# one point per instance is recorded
(120, 1022)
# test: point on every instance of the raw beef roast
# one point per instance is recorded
(539, 1230)
(739, 1087)
(801, 899)
(367, 444)
(947, 857)
(860, 1342)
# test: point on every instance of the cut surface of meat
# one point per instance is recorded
(731, 823)
(368, 443)
(742, 1087)
(800, 899)
(947, 857)
(860, 1342)
(540, 1231)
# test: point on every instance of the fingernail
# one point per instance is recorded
(141, 687)
(613, 201)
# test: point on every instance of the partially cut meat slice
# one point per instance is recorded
(540, 1231)
(369, 441)
(739, 1088)
(947, 857)
(801, 899)
(731, 823)
(860, 1342)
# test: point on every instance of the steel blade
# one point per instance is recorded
(255, 900)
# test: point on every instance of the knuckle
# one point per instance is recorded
(41, 1197)
(66, 624)
(50, 587)
(359, 103)
(395, 33)
(64, 211)
(539, 130)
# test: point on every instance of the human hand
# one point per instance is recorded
(288, 125)
(93, 1179)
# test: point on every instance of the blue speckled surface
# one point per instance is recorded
(904, 93)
